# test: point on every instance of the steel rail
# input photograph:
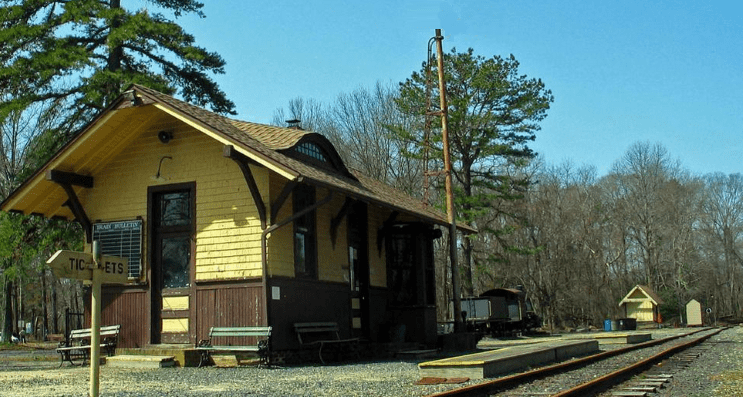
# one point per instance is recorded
(618, 376)
(491, 387)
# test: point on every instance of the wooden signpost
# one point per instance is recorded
(98, 269)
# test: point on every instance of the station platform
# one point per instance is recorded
(618, 339)
(602, 337)
(490, 363)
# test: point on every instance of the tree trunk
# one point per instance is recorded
(469, 282)
(44, 305)
(55, 312)
(8, 323)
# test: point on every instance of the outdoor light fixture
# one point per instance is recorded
(164, 136)
(157, 177)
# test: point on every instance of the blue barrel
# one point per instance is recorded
(607, 325)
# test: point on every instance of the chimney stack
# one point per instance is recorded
(294, 124)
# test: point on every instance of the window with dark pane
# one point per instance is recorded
(175, 209)
(176, 256)
(305, 239)
(402, 269)
(311, 150)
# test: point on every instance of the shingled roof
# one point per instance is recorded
(267, 144)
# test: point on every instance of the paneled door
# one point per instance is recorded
(172, 230)
(358, 258)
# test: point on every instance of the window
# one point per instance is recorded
(312, 150)
(401, 257)
(122, 239)
(305, 239)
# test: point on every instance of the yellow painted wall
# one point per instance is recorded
(280, 243)
(641, 311)
(333, 262)
(227, 224)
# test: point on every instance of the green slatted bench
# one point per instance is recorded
(262, 346)
(324, 333)
(78, 344)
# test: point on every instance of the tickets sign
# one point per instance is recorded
(79, 265)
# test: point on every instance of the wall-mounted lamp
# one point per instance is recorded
(157, 176)
(164, 136)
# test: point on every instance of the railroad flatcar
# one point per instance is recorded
(500, 311)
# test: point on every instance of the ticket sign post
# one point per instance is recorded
(97, 269)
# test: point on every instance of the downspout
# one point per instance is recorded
(264, 246)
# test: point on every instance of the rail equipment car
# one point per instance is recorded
(499, 312)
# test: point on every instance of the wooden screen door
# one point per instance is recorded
(358, 257)
(172, 228)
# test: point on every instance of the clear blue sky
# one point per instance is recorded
(620, 71)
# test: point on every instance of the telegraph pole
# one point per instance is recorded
(451, 215)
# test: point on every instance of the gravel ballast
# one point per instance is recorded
(718, 372)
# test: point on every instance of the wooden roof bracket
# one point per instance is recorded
(264, 244)
(336, 221)
(279, 202)
(66, 180)
(381, 233)
(242, 162)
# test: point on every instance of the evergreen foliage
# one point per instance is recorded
(84, 52)
(494, 112)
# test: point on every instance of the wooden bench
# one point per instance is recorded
(324, 333)
(262, 346)
(78, 346)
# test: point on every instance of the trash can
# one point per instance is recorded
(630, 324)
(607, 325)
(614, 325)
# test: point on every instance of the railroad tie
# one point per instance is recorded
(623, 393)
(657, 379)
(647, 389)
(658, 384)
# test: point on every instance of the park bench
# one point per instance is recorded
(261, 336)
(77, 347)
(322, 334)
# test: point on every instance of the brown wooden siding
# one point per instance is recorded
(130, 308)
(307, 301)
(229, 305)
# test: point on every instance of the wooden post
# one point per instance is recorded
(95, 326)
(450, 212)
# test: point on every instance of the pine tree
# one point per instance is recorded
(493, 114)
(84, 52)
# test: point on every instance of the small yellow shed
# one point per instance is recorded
(642, 303)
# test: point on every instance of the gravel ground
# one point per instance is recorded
(718, 372)
(43, 378)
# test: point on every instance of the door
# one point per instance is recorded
(172, 229)
(358, 259)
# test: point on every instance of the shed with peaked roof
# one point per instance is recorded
(642, 304)
(231, 223)
(694, 314)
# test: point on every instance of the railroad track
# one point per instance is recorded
(544, 380)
